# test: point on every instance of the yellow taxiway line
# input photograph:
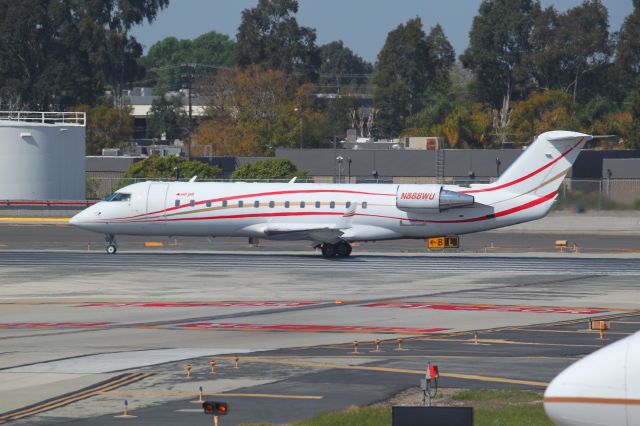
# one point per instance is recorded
(73, 397)
(35, 219)
(156, 394)
(475, 377)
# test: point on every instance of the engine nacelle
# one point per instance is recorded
(430, 198)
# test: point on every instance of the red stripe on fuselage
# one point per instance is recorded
(525, 177)
(506, 212)
(260, 194)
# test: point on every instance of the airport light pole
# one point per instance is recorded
(339, 160)
(349, 168)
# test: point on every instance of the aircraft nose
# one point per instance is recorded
(77, 219)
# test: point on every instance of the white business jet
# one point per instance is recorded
(334, 215)
(600, 389)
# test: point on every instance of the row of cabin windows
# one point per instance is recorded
(272, 204)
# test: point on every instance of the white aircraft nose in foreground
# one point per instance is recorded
(334, 215)
(600, 389)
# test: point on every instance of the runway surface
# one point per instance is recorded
(81, 331)
(247, 261)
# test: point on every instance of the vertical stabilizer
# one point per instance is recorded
(541, 168)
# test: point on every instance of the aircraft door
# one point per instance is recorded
(157, 199)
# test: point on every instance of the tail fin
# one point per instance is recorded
(541, 168)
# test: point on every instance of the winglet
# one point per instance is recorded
(193, 179)
(345, 220)
(293, 179)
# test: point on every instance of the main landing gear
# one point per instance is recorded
(339, 249)
(111, 243)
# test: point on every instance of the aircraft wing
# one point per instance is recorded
(322, 232)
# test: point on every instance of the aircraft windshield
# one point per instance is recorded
(118, 196)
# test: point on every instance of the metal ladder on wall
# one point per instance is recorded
(439, 166)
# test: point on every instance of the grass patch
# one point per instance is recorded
(491, 408)
(496, 395)
(376, 415)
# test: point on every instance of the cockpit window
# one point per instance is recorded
(118, 196)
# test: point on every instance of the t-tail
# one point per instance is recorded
(542, 166)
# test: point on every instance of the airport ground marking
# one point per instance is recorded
(52, 325)
(592, 332)
(151, 393)
(507, 342)
(488, 308)
(304, 328)
(192, 304)
(473, 377)
(35, 219)
(64, 400)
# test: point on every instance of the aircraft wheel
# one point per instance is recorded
(343, 249)
(328, 250)
(112, 249)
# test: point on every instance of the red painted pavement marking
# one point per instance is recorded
(306, 328)
(54, 324)
(494, 308)
(189, 304)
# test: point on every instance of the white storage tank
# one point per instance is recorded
(42, 155)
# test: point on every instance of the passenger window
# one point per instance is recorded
(208, 203)
(256, 204)
(348, 204)
(224, 203)
(332, 205)
(317, 204)
(240, 203)
(177, 203)
(364, 204)
(272, 204)
(286, 204)
(192, 203)
(302, 204)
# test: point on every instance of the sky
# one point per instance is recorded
(361, 24)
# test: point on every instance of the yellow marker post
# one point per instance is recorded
(187, 369)
(212, 363)
(235, 360)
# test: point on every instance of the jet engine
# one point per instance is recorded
(430, 198)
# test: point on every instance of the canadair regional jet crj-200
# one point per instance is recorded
(334, 215)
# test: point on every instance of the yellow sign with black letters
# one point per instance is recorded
(449, 242)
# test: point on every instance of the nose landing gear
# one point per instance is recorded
(112, 248)
(339, 249)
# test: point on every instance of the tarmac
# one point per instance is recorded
(82, 331)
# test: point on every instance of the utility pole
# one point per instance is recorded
(187, 83)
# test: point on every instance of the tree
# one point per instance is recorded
(54, 54)
(539, 113)
(627, 55)
(405, 74)
(276, 168)
(165, 57)
(270, 36)
(106, 128)
(443, 56)
(166, 168)
(167, 117)
(499, 41)
(583, 51)
(339, 67)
